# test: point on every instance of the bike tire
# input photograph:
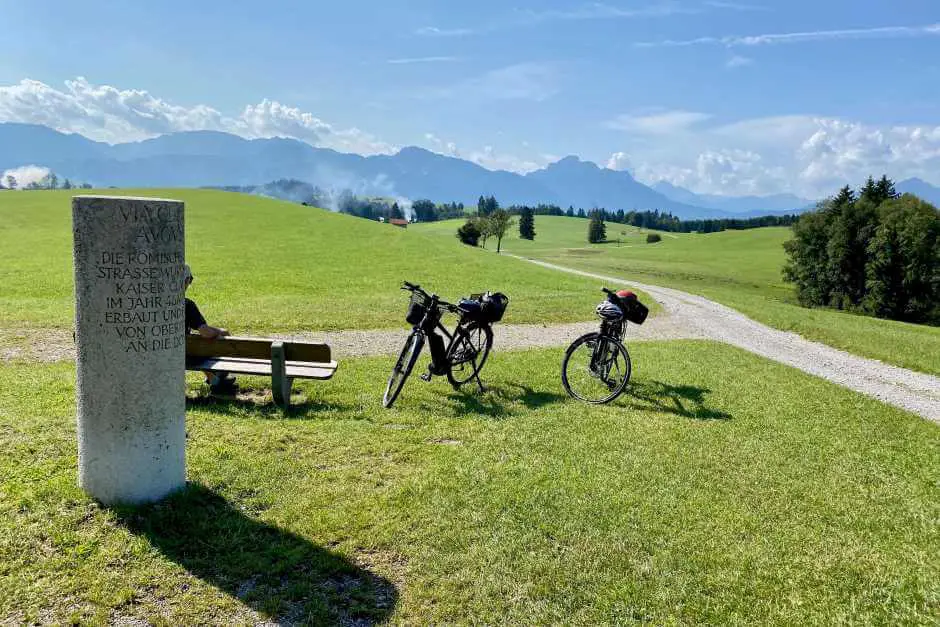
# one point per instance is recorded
(569, 367)
(403, 367)
(468, 339)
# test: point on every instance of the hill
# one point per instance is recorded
(209, 158)
(306, 269)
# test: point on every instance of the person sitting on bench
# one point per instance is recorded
(218, 382)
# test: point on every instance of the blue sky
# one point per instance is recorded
(722, 96)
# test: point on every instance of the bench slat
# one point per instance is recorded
(262, 367)
(255, 348)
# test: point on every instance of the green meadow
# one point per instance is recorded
(722, 488)
(741, 269)
(268, 265)
(750, 493)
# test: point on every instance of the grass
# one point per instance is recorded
(741, 269)
(743, 493)
(264, 265)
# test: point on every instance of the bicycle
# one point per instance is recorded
(596, 367)
(469, 344)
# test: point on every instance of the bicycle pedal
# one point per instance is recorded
(426, 377)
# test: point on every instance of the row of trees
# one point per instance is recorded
(872, 252)
(661, 221)
(49, 181)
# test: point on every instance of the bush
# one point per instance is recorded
(652, 238)
(469, 233)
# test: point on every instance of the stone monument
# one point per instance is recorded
(130, 340)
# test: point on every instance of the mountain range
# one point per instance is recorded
(210, 158)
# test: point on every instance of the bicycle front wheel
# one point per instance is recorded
(404, 365)
(467, 353)
(596, 368)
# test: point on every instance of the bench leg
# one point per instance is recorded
(280, 383)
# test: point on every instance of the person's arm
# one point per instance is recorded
(196, 322)
(212, 333)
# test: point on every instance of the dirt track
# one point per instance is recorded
(695, 316)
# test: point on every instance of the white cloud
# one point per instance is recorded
(657, 123)
(880, 32)
(25, 175)
(808, 155)
(113, 115)
(619, 161)
(738, 61)
(521, 81)
(413, 60)
(434, 31)
(440, 146)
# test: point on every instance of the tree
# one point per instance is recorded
(11, 181)
(500, 221)
(67, 184)
(597, 231)
(469, 233)
(570, 212)
(526, 224)
(872, 252)
(424, 210)
(481, 206)
(395, 212)
(903, 275)
(485, 226)
(53, 180)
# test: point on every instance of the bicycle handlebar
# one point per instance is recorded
(412, 287)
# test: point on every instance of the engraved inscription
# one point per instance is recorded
(145, 307)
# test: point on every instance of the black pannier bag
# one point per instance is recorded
(494, 306)
(487, 307)
(633, 310)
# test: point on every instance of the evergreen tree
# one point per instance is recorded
(570, 212)
(481, 206)
(53, 181)
(11, 181)
(67, 184)
(581, 213)
(597, 231)
(526, 224)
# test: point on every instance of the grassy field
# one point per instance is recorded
(266, 265)
(741, 269)
(750, 493)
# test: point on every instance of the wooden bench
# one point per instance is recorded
(283, 361)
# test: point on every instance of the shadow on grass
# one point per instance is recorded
(496, 401)
(260, 403)
(687, 401)
(275, 572)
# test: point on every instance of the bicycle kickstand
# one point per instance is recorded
(479, 383)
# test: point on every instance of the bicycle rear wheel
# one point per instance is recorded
(596, 368)
(404, 365)
(468, 352)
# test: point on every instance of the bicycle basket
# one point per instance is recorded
(494, 306)
(633, 309)
(416, 308)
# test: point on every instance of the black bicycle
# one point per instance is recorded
(596, 367)
(468, 346)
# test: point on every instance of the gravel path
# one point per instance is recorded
(684, 316)
(50, 345)
(699, 317)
